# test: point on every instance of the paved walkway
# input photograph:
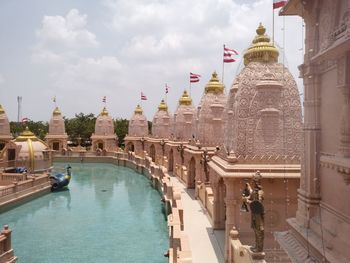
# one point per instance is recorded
(206, 244)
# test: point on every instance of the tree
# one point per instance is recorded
(39, 128)
(82, 126)
(121, 127)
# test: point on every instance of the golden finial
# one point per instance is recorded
(26, 135)
(214, 85)
(163, 106)
(56, 112)
(104, 112)
(138, 110)
(2, 111)
(261, 49)
(185, 99)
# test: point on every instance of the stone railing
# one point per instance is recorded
(17, 187)
(241, 253)
(206, 197)
(11, 177)
(6, 251)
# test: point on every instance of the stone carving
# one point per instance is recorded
(161, 125)
(138, 125)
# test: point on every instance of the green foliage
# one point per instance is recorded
(82, 126)
(150, 127)
(121, 127)
(39, 128)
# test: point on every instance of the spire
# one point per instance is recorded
(104, 112)
(2, 111)
(26, 135)
(163, 106)
(261, 49)
(214, 85)
(56, 112)
(138, 110)
(185, 99)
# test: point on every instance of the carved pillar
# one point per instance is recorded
(343, 70)
(309, 192)
(231, 204)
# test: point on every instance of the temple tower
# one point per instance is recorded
(138, 125)
(161, 125)
(210, 122)
(104, 137)
(183, 118)
(57, 136)
(5, 134)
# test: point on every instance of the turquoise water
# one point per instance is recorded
(109, 214)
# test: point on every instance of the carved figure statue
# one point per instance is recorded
(255, 201)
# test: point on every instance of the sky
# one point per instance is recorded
(82, 50)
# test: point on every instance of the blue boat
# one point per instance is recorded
(60, 180)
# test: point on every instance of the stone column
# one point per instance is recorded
(231, 204)
(7, 233)
(309, 192)
(343, 83)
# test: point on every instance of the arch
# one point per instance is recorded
(152, 152)
(130, 147)
(192, 173)
(55, 145)
(171, 161)
(99, 145)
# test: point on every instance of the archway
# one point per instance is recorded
(192, 173)
(130, 147)
(56, 146)
(152, 152)
(171, 161)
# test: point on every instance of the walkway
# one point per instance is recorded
(206, 244)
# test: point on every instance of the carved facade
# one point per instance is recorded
(321, 227)
(57, 136)
(104, 137)
(162, 124)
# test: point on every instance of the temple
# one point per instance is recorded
(245, 144)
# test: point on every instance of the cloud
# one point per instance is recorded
(67, 32)
(2, 80)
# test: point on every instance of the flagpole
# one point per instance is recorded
(223, 68)
(273, 24)
(166, 94)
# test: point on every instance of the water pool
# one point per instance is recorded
(109, 214)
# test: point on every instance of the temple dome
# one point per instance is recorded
(183, 118)
(5, 133)
(264, 111)
(209, 130)
(104, 137)
(161, 125)
(33, 153)
(57, 136)
(138, 124)
(261, 49)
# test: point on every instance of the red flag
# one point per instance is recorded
(143, 96)
(278, 3)
(25, 120)
(228, 55)
(104, 99)
(194, 77)
(166, 89)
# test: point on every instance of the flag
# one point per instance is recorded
(104, 99)
(143, 96)
(166, 89)
(228, 55)
(54, 99)
(25, 120)
(194, 77)
(278, 3)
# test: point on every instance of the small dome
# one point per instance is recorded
(185, 99)
(104, 112)
(104, 124)
(214, 85)
(56, 125)
(138, 124)
(56, 112)
(261, 49)
(33, 152)
(2, 111)
(163, 106)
